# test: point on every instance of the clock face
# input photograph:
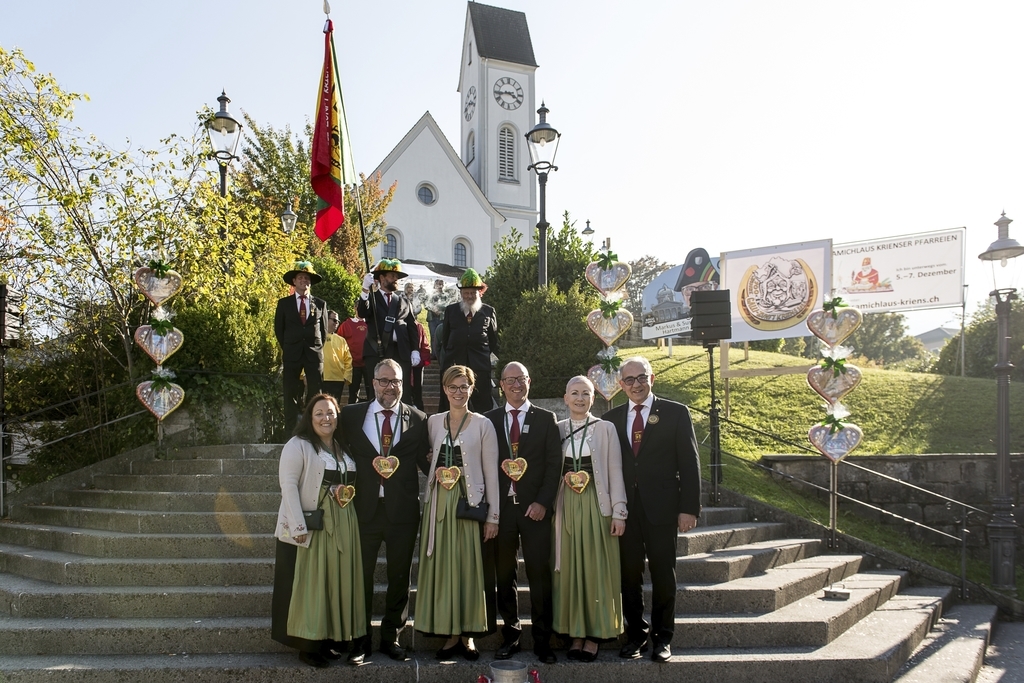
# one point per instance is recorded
(508, 93)
(470, 107)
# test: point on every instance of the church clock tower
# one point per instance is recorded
(498, 103)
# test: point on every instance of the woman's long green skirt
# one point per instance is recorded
(327, 592)
(587, 589)
(450, 589)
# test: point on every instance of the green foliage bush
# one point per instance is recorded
(339, 288)
(980, 345)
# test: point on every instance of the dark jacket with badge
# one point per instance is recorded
(383, 320)
(540, 445)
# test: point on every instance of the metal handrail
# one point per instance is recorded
(38, 411)
(79, 433)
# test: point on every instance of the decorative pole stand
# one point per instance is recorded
(609, 322)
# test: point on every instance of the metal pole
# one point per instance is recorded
(223, 179)
(3, 399)
(1001, 530)
(542, 227)
(963, 552)
(715, 460)
(833, 505)
(963, 335)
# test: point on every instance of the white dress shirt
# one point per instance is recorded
(375, 420)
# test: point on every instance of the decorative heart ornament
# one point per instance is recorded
(606, 383)
(514, 468)
(610, 279)
(831, 330)
(157, 289)
(386, 466)
(160, 347)
(161, 402)
(577, 481)
(609, 329)
(448, 477)
(838, 444)
(831, 387)
(343, 494)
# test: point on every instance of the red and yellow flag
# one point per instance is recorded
(331, 168)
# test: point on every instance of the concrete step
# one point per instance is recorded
(728, 564)
(710, 516)
(206, 466)
(69, 569)
(767, 592)
(264, 483)
(705, 539)
(954, 650)
(258, 451)
(167, 501)
(111, 544)
(149, 522)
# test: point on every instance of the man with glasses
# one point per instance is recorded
(530, 458)
(389, 443)
(337, 359)
(661, 471)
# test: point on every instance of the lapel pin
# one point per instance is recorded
(653, 419)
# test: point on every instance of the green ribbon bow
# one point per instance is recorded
(834, 424)
(607, 259)
(159, 268)
(610, 308)
(610, 365)
(836, 365)
(161, 327)
(833, 305)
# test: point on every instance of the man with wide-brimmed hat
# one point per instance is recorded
(390, 321)
(469, 335)
(300, 325)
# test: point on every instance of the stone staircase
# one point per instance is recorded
(161, 570)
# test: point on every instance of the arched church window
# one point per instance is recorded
(390, 249)
(460, 258)
(506, 154)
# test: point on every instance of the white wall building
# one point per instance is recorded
(452, 207)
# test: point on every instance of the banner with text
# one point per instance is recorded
(905, 273)
(666, 301)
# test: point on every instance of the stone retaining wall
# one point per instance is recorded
(969, 478)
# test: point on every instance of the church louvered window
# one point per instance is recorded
(506, 154)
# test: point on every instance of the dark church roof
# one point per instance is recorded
(502, 34)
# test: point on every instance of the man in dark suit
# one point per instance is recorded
(300, 325)
(530, 433)
(387, 495)
(469, 335)
(390, 321)
(661, 471)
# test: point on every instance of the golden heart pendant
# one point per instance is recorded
(448, 477)
(343, 494)
(830, 386)
(514, 468)
(831, 330)
(606, 383)
(609, 329)
(608, 279)
(577, 481)
(159, 347)
(161, 402)
(157, 289)
(386, 466)
(835, 445)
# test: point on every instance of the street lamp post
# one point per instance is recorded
(1002, 531)
(543, 143)
(288, 218)
(225, 133)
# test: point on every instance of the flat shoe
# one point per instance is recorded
(574, 654)
(470, 653)
(448, 654)
(314, 659)
(587, 656)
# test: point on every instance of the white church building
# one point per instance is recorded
(454, 202)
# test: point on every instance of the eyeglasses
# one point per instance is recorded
(394, 383)
(512, 381)
(458, 388)
(628, 381)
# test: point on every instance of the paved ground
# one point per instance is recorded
(1004, 660)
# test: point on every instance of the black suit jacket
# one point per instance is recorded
(298, 339)
(402, 489)
(374, 310)
(666, 471)
(540, 445)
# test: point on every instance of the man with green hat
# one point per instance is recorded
(300, 325)
(469, 335)
(391, 325)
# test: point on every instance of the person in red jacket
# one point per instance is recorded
(417, 370)
(354, 332)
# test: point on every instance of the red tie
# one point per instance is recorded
(302, 309)
(513, 438)
(386, 437)
(387, 298)
(638, 429)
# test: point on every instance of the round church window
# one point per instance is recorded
(426, 193)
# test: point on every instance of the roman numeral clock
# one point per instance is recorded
(508, 93)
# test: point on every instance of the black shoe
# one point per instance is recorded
(395, 651)
(545, 654)
(328, 653)
(662, 652)
(470, 653)
(448, 654)
(357, 657)
(574, 654)
(633, 649)
(587, 656)
(314, 659)
(507, 649)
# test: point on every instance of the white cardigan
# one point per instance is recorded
(300, 473)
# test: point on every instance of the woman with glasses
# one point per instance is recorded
(318, 598)
(590, 515)
(462, 481)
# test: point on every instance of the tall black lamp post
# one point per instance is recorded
(225, 133)
(1002, 531)
(543, 143)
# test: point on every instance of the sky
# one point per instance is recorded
(723, 124)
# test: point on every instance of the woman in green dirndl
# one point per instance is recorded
(590, 515)
(318, 598)
(450, 593)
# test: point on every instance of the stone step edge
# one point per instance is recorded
(955, 649)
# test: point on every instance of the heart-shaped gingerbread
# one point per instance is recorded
(343, 494)
(608, 279)
(448, 477)
(515, 468)
(159, 347)
(830, 386)
(609, 329)
(835, 445)
(606, 383)
(161, 402)
(385, 467)
(577, 481)
(157, 289)
(831, 330)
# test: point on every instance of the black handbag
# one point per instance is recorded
(314, 519)
(477, 513)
